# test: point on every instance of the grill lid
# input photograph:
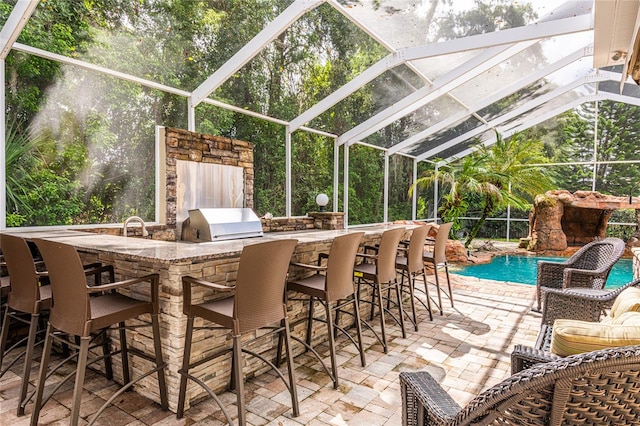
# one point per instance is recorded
(214, 224)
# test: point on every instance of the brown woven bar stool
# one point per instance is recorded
(257, 302)
(438, 259)
(412, 266)
(335, 290)
(381, 275)
(26, 300)
(83, 312)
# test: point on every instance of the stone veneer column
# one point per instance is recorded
(180, 144)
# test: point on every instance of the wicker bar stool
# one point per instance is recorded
(411, 265)
(381, 275)
(438, 259)
(26, 300)
(257, 302)
(83, 312)
(335, 290)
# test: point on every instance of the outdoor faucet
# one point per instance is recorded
(145, 233)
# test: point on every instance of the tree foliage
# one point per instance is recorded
(505, 173)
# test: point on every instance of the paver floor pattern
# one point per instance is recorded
(467, 349)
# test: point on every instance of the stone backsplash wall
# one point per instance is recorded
(184, 145)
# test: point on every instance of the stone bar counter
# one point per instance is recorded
(212, 261)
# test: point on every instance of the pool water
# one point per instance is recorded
(524, 269)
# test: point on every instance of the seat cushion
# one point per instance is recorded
(627, 301)
(571, 337)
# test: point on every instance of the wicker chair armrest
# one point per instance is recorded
(188, 282)
(567, 304)
(550, 274)
(367, 255)
(97, 269)
(153, 279)
(307, 266)
(524, 357)
(421, 393)
(573, 277)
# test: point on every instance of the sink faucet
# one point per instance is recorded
(145, 233)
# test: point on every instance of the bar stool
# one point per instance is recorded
(26, 299)
(412, 266)
(81, 312)
(335, 286)
(438, 259)
(381, 275)
(257, 302)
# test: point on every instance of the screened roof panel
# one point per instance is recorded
(433, 21)
(611, 86)
(421, 120)
(513, 69)
(382, 92)
(146, 40)
(435, 67)
(566, 79)
(540, 109)
(438, 140)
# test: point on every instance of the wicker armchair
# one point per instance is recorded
(592, 388)
(588, 267)
(574, 304)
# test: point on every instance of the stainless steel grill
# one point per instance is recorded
(215, 224)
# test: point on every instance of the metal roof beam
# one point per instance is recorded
(536, 120)
(11, 29)
(399, 110)
(518, 112)
(601, 96)
(480, 41)
(252, 48)
(460, 75)
(529, 79)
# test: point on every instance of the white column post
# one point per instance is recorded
(345, 177)
(414, 199)
(385, 214)
(288, 170)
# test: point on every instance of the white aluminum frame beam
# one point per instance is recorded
(485, 102)
(460, 75)
(602, 96)
(480, 41)
(592, 78)
(537, 120)
(252, 48)
(11, 29)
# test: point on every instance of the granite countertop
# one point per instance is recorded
(179, 251)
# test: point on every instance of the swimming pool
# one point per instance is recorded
(524, 269)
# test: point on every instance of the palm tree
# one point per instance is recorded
(514, 176)
(461, 179)
(506, 173)
(20, 154)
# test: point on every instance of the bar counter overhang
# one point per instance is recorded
(213, 261)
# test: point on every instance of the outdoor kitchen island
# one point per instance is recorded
(212, 261)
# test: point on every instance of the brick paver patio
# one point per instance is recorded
(467, 349)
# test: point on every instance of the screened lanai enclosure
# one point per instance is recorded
(354, 99)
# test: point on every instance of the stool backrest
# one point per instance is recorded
(70, 311)
(415, 262)
(387, 253)
(260, 284)
(342, 258)
(440, 249)
(24, 294)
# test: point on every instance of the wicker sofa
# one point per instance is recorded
(581, 307)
